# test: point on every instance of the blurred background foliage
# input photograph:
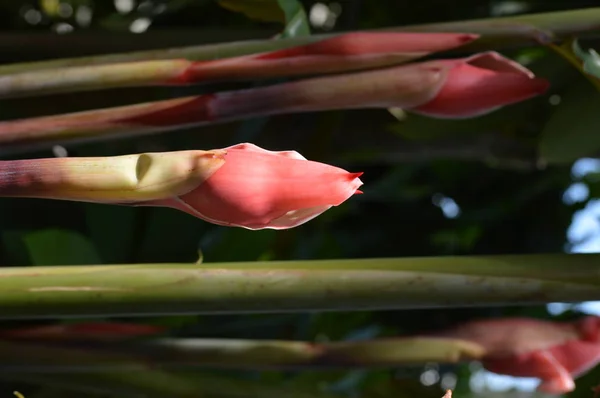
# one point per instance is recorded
(432, 187)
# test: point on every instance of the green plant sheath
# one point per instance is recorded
(297, 285)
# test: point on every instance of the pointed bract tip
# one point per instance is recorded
(352, 176)
(540, 86)
(358, 192)
(468, 37)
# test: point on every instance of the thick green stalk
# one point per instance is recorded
(30, 292)
(21, 356)
(499, 32)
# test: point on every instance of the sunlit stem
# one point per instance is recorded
(289, 286)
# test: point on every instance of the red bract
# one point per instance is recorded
(89, 330)
(260, 189)
(459, 88)
(478, 85)
(346, 52)
(554, 352)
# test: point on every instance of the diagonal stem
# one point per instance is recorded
(499, 32)
(401, 85)
(343, 53)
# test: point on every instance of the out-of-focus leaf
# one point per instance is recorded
(588, 63)
(402, 387)
(59, 247)
(289, 12)
(237, 244)
(592, 182)
(295, 18)
(421, 128)
(112, 230)
(15, 249)
(460, 239)
(50, 7)
(590, 60)
(262, 10)
(340, 326)
(572, 130)
(169, 235)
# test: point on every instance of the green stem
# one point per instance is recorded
(158, 384)
(499, 32)
(38, 292)
(70, 368)
(232, 354)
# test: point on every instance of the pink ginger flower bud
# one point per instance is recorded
(243, 185)
(478, 85)
(554, 352)
(261, 189)
(449, 88)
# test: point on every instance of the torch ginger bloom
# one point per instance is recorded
(554, 352)
(258, 189)
(242, 185)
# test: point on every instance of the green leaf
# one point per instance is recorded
(112, 229)
(506, 120)
(588, 63)
(59, 247)
(169, 235)
(15, 249)
(295, 18)
(261, 10)
(572, 130)
(289, 12)
(237, 244)
(590, 59)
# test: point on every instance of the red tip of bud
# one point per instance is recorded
(468, 37)
(352, 176)
(540, 86)
(358, 192)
